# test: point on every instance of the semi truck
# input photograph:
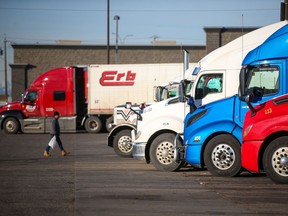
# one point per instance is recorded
(85, 96)
(216, 78)
(213, 133)
(265, 138)
(125, 119)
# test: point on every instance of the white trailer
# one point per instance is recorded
(217, 78)
(112, 85)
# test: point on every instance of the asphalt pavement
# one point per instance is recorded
(93, 180)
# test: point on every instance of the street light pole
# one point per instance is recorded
(108, 32)
(116, 18)
(5, 69)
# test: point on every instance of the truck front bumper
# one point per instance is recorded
(138, 151)
(250, 155)
(193, 155)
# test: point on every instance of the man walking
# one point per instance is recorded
(55, 131)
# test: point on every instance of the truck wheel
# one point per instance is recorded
(11, 126)
(93, 124)
(222, 156)
(275, 160)
(122, 143)
(108, 123)
(162, 153)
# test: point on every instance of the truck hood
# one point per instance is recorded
(11, 106)
(212, 112)
(155, 107)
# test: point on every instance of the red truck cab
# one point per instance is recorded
(60, 89)
(265, 139)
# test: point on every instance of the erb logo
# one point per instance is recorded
(113, 78)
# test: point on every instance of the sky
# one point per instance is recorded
(44, 22)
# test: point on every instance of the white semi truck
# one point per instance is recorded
(125, 119)
(217, 78)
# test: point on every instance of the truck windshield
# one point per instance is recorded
(262, 81)
(169, 91)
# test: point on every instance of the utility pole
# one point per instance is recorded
(5, 69)
(108, 32)
(116, 18)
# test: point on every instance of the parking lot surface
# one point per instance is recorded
(93, 180)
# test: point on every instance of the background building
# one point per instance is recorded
(31, 60)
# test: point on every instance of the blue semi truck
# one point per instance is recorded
(213, 133)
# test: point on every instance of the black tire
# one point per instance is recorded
(108, 123)
(11, 126)
(93, 124)
(122, 143)
(162, 153)
(275, 160)
(222, 156)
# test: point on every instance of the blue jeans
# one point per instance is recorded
(58, 141)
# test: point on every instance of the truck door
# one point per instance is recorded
(31, 106)
(34, 122)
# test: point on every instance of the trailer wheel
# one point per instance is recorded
(122, 143)
(11, 126)
(108, 123)
(222, 156)
(163, 153)
(275, 160)
(93, 124)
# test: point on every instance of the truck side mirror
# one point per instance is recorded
(248, 99)
(128, 105)
(22, 98)
(242, 83)
(181, 92)
(158, 91)
(192, 105)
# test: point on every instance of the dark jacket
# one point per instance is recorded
(55, 127)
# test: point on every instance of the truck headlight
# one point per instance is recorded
(247, 130)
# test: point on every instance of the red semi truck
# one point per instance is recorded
(61, 89)
(85, 96)
(265, 139)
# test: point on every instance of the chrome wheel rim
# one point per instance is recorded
(125, 144)
(93, 125)
(223, 156)
(10, 126)
(280, 161)
(165, 153)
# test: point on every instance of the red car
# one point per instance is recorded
(265, 139)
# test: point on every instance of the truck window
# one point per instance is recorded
(207, 84)
(59, 95)
(264, 80)
(31, 96)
